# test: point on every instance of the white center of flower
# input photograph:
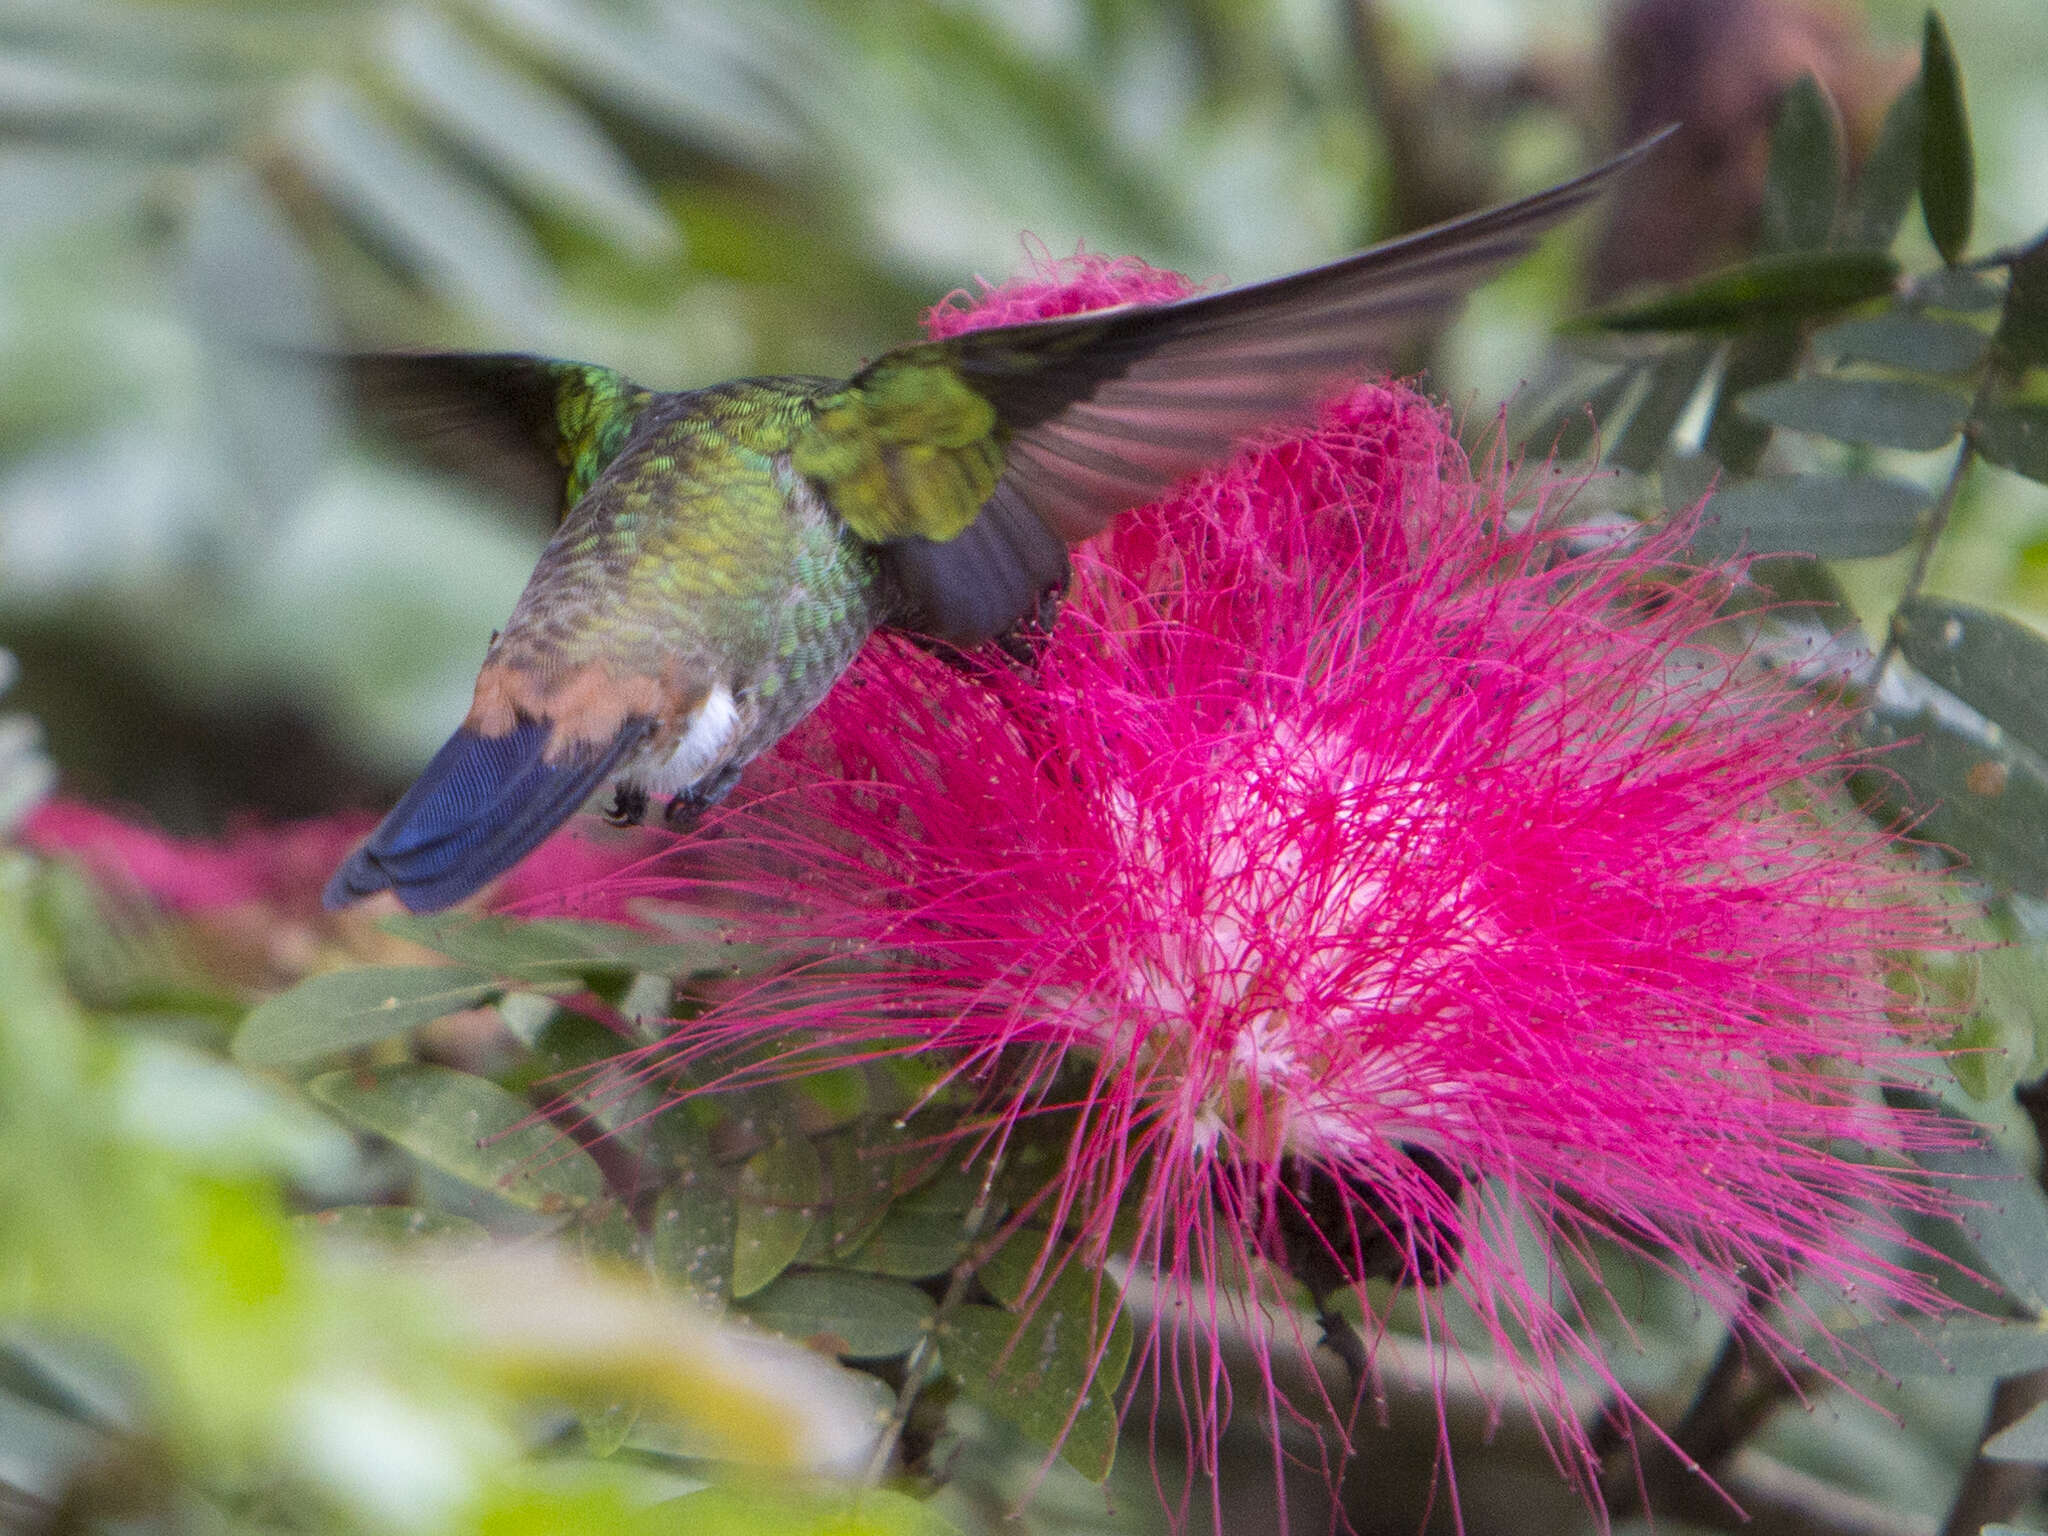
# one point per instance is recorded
(1286, 937)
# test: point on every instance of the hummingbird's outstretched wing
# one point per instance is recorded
(537, 430)
(1092, 414)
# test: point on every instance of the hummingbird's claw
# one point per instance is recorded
(628, 807)
(684, 809)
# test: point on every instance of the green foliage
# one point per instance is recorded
(1050, 1362)
(240, 1368)
(2007, 1218)
(800, 1207)
(467, 1128)
(1841, 517)
(1807, 435)
(343, 1009)
(861, 1317)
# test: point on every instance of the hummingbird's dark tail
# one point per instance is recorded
(482, 805)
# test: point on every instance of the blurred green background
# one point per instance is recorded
(223, 598)
(227, 600)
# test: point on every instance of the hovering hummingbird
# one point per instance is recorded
(723, 553)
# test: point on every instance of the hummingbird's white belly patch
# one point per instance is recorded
(703, 746)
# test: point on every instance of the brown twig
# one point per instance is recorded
(915, 1363)
(1991, 1491)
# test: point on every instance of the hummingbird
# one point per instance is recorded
(723, 553)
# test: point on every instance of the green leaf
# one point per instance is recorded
(912, 1244)
(1885, 413)
(1948, 173)
(1052, 1372)
(1674, 381)
(1972, 787)
(605, 1235)
(341, 1010)
(1958, 1346)
(2015, 437)
(391, 1225)
(2012, 993)
(862, 1317)
(468, 1128)
(1996, 665)
(1767, 292)
(694, 1231)
(2003, 1210)
(2023, 329)
(1838, 517)
(698, 80)
(1804, 182)
(549, 949)
(1884, 190)
(860, 1177)
(2024, 1440)
(1905, 340)
(778, 1193)
(924, 1232)
(1976, 1058)
(1751, 361)
(606, 1425)
(541, 950)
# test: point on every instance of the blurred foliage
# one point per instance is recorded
(222, 600)
(181, 1353)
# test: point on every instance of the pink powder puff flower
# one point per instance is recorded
(1399, 879)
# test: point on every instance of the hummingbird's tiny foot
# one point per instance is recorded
(629, 806)
(684, 809)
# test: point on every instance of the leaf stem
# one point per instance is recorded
(1731, 1404)
(920, 1355)
(1966, 452)
(1937, 525)
(1992, 1491)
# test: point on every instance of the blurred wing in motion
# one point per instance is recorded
(1097, 413)
(535, 430)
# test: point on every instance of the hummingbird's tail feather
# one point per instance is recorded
(481, 806)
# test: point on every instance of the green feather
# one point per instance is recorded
(906, 449)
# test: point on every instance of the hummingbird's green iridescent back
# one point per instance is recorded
(724, 552)
(701, 570)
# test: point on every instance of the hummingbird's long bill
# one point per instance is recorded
(723, 553)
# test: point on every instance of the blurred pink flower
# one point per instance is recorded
(286, 864)
(1381, 879)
